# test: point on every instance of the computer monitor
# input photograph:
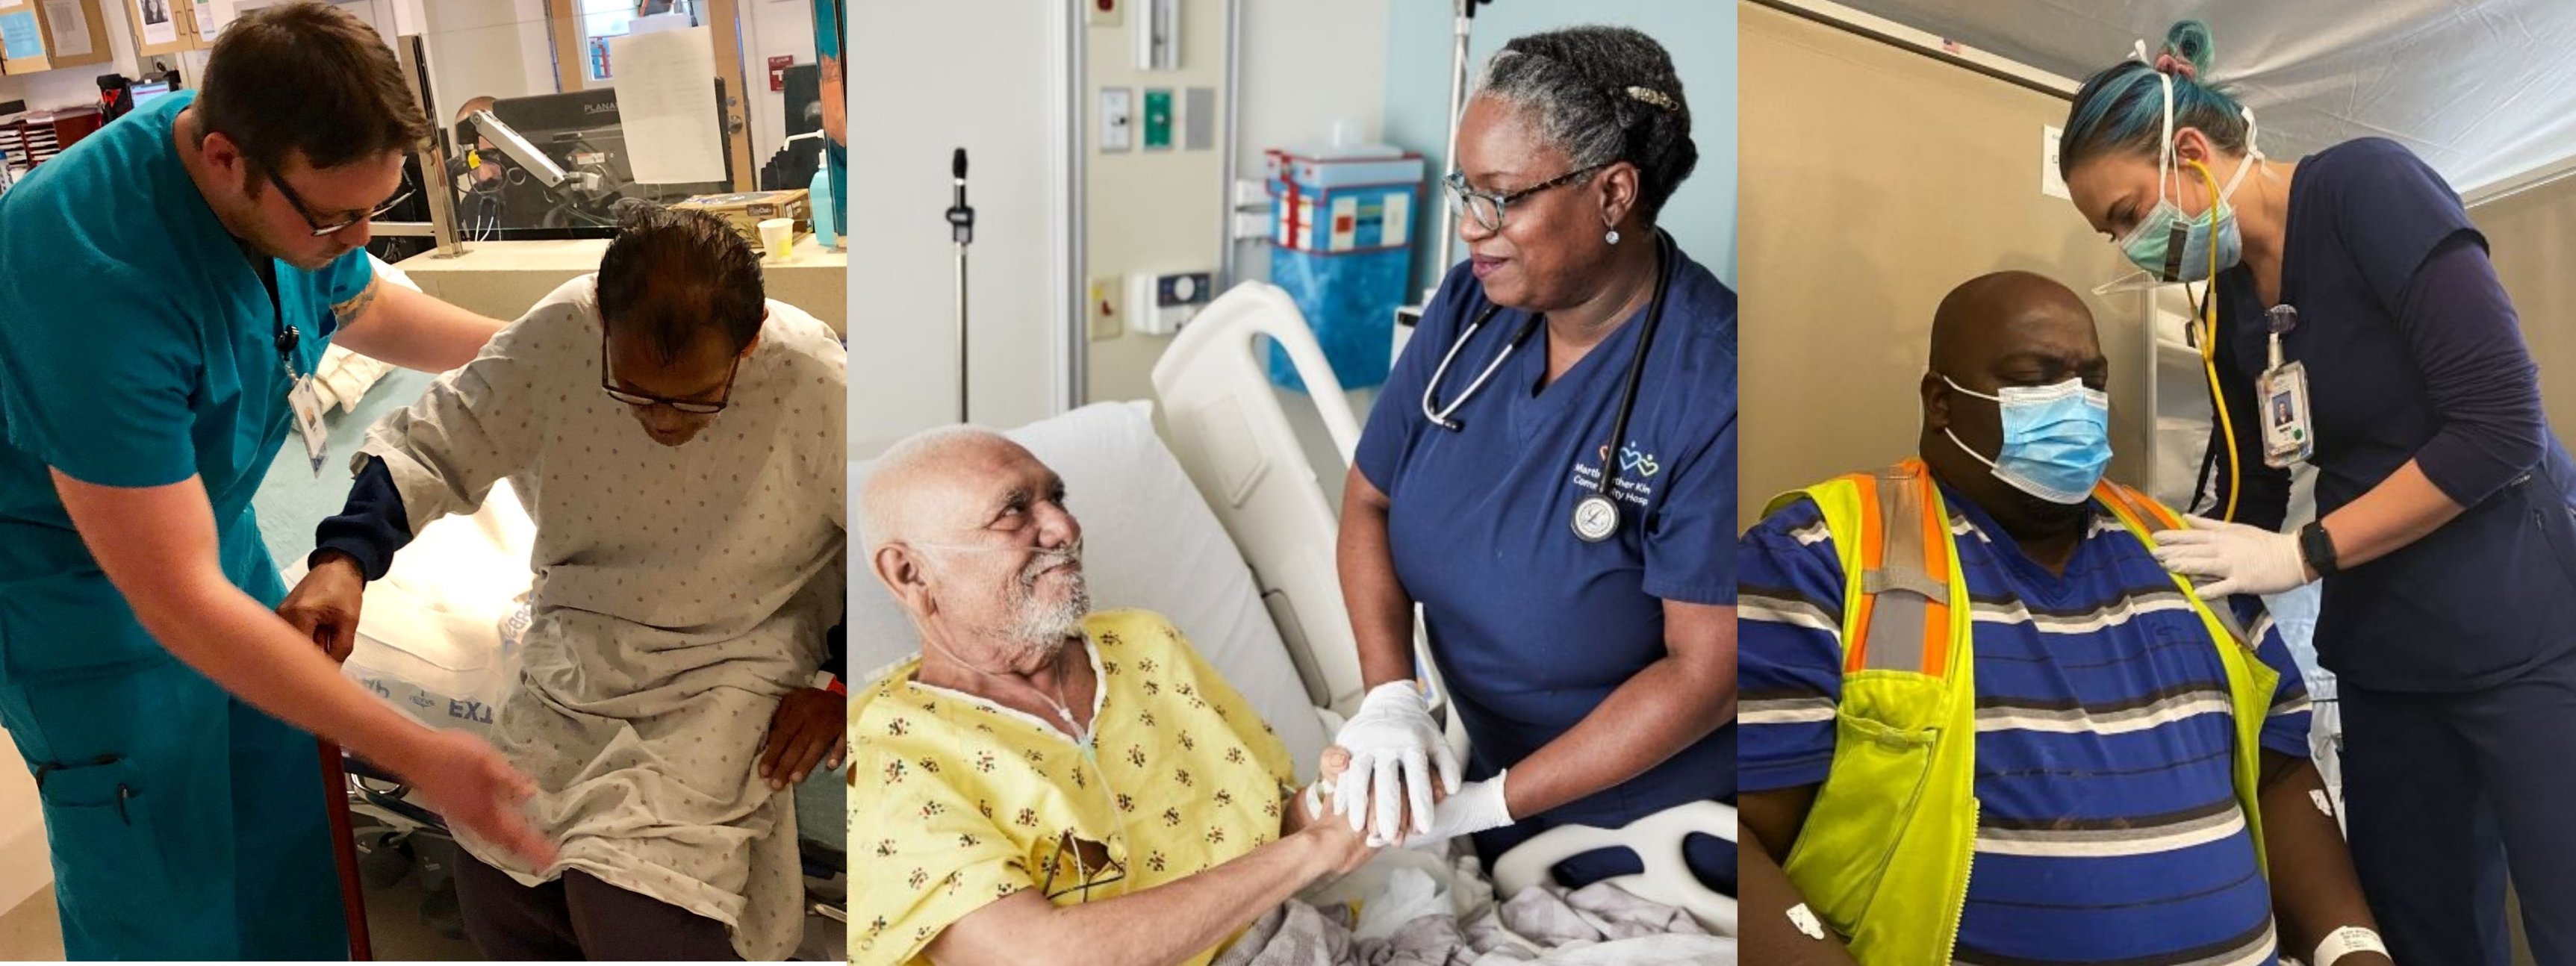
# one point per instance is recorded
(582, 132)
(149, 91)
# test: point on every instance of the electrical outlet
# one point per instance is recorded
(1107, 319)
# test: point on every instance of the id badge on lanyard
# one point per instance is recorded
(304, 400)
(2288, 435)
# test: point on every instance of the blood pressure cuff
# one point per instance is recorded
(370, 527)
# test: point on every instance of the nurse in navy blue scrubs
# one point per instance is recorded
(2444, 535)
(1575, 566)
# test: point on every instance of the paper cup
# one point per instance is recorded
(778, 237)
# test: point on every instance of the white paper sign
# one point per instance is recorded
(70, 27)
(154, 17)
(666, 100)
(2049, 183)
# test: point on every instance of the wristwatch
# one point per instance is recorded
(2317, 546)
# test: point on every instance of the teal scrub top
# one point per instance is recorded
(138, 348)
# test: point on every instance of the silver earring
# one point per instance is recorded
(1612, 237)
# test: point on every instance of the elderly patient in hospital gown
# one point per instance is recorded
(1024, 790)
(678, 442)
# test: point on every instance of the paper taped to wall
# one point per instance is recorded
(666, 101)
(70, 26)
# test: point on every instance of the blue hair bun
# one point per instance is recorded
(2188, 42)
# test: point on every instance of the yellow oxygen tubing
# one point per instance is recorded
(2209, 347)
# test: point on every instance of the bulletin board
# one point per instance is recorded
(40, 35)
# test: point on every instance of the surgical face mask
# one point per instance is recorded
(2057, 439)
(2170, 246)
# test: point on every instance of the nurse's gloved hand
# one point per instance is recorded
(2233, 558)
(468, 782)
(1394, 746)
(1474, 808)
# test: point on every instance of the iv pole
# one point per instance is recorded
(961, 221)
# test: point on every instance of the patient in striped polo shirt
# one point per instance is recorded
(2108, 800)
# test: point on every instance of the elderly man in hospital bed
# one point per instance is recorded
(1047, 784)
(677, 441)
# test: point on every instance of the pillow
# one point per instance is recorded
(1149, 542)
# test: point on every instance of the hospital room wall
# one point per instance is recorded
(1891, 178)
(75, 86)
(2533, 238)
(928, 78)
(1699, 35)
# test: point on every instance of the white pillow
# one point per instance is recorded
(1149, 542)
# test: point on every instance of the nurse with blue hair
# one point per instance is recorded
(2352, 321)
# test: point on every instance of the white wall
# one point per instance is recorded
(925, 79)
(772, 28)
(1300, 68)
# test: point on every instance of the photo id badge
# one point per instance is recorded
(2287, 438)
(308, 421)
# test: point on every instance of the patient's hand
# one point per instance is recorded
(810, 728)
(1345, 847)
(324, 606)
(1337, 760)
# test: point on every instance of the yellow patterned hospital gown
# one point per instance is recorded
(958, 801)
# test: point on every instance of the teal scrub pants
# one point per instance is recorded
(185, 824)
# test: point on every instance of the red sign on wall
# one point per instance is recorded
(778, 71)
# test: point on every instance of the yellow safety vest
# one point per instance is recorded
(1885, 854)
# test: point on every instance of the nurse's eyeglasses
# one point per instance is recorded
(692, 407)
(305, 211)
(1488, 206)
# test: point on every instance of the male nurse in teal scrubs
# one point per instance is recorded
(165, 284)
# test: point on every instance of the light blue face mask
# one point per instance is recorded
(2169, 246)
(2057, 439)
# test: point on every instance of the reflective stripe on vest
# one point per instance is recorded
(1889, 842)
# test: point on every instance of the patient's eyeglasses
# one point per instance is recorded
(1488, 206)
(691, 406)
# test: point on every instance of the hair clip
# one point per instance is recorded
(1654, 97)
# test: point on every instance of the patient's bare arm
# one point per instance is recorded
(1165, 924)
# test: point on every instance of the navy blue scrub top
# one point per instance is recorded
(2413, 351)
(1531, 627)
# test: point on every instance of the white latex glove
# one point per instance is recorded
(1474, 808)
(1393, 744)
(2232, 558)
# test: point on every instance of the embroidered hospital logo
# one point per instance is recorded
(1634, 460)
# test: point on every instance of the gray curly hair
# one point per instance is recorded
(1602, 95)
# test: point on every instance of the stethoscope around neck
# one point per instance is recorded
(1596, 516)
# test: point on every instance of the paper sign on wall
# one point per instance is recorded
(71, 28)
(2049, 183)
(153, 17)
(19, 35)
(666, 98)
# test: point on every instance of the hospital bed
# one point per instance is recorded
(1219, 522)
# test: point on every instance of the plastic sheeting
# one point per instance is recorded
(2484, 91)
